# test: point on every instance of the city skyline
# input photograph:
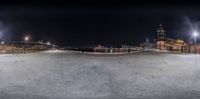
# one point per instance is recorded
(87, 25)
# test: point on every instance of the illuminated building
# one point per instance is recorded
(19, 47)
(124, 48)
(160, 37)
(164, 43)
(101, 48)
(174, 45)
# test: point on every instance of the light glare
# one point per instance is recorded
(48, 43)
(26, 38)
(195, 34)
(2, 42)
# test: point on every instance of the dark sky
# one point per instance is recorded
(74, 24)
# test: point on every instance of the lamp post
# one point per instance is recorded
(48, 43)
(195, 34)
(26, 40)
(2, 43)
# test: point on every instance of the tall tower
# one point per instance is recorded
(161, 37)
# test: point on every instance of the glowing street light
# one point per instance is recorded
(26, 38)
(48, 43)
(2, 42)
(195, 34)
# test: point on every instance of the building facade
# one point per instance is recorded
(160, 37)
(164, 43)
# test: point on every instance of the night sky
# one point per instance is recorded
(81, 25)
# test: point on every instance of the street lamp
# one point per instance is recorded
(26, 38)
(2, 42)
(48, 43)
(195, 34)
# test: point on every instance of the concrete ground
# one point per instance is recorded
(66, 75)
